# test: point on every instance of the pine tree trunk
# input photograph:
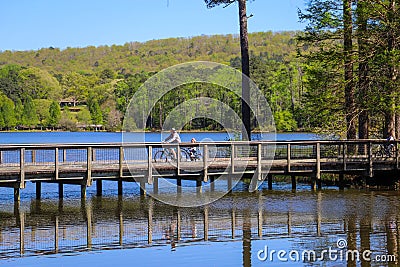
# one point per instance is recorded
(244, 47)
(390, 117)
(348, 70)
(363, 83)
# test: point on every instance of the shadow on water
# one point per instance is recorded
(240, 229)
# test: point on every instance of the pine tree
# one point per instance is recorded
(54, 114)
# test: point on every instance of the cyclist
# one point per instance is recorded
(173, 138)
(193, 150)
(389, 144)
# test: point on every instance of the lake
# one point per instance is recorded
(279, 227)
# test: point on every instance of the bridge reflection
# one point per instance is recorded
(315, 220)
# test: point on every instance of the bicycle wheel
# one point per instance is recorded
(185, 156)
(379, 153)
(198, 156)
(392, 151)
(162, 156)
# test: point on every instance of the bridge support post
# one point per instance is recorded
(120, 187)
(99, 188)
(60, 190)
(229, 181)
(142, 188)
(155, 185)
(179, 185)
(341, 181)
(212, 184)
(294, 182)
(17, 195)
(269, 181)
(313, 183)
(199, 187)
(38, 190)
(83, 191)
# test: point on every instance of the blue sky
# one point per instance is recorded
(34, 24)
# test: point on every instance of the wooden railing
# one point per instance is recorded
(83, 163)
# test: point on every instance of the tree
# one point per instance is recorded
(348, 70)
(29, 116)
(244, 48)
(42, 107)
(95, 112)
(7, 112)
(363, 72)
(39, 84)
(54, 114)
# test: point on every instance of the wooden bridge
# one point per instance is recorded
(82, 164)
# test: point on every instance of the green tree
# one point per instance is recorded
(84, 117)
(10, 82)
(42, 107)
(39, 84)
(7, 113)
(29, 115)
(54, 114)
(95, 112)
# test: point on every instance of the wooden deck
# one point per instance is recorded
(84, 163)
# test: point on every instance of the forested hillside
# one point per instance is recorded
(93, 85)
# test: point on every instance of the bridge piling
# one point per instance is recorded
(99, 188)
(38, 190)
(120, 187)
(60, 190)
(294, 182)
(269, 177)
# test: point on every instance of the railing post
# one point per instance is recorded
(370, 163)
(64, 154)
(93, 154)
(22, 168)
(178, 159)
(232, 158)
(288, 158)
(259, 172)
(318, 150)
(150, 165)
(397, 155)
(121, 160)
(56, 164)
(344, 156)
(89, 167)
(33, 156)
(205, 160)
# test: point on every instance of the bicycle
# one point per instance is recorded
(192, 153)
(167, 155)
(387, 150)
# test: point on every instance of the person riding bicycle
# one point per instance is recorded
(389, 144)
(193, 150)
(173, 138)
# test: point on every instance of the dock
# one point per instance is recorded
(86, 164)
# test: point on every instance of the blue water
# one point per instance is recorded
(105, 137)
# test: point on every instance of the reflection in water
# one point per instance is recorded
(279, 220)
